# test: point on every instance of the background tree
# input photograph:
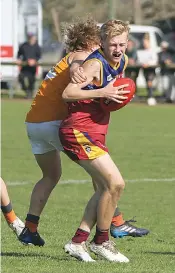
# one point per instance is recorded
(56, 12)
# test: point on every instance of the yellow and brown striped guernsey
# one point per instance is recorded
(48, 104)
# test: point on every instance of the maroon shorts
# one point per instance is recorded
(82, 145)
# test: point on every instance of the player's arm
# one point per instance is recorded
(92, 69)
(74, 91)
(76, 70)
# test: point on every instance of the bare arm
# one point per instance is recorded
(74, 92)
(76, 70)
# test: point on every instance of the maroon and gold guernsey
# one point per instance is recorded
(83, 131)
(87, 115)
(48, 104)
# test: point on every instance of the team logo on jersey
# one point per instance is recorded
(107, 101)
(87, 148)
(109, 78)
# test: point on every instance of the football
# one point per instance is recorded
(109, 105)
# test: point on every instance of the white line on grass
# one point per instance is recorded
(172, 179)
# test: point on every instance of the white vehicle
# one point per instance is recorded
(18, 17)
(138, 32)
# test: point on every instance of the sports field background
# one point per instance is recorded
(142, 143)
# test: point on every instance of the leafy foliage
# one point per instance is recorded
(102, 9)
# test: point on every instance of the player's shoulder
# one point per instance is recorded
(94, 57)
(79, 55)
(93, 62)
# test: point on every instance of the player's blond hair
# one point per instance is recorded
(113, 28)
(83, 34)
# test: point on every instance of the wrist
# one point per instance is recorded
(101, 93)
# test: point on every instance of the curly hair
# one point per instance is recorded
(83, 34)
(113, 28)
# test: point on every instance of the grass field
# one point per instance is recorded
(142, 143)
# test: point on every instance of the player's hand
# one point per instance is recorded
(77, 76)
(115, 93)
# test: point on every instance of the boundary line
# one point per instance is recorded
(72, 181)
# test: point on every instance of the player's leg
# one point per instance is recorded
(120, 227)
(50, 165)
(6, 207)
(117, 219)
(100, 208)
(110, 185)
(90, 152)
(45, 146)
(77, 246)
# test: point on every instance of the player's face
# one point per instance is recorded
(115, 47)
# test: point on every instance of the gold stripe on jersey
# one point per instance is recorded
(126, 62)
(92, 151)
(48, 104)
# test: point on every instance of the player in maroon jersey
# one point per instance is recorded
(83, 135)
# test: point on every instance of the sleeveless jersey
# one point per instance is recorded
(87, 115)
(48, 104)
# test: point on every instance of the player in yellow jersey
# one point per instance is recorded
(48, 110)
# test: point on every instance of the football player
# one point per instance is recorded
(83, 133)
(6, 207)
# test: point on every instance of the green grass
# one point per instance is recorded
(141, 140)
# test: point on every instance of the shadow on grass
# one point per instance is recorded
(22, 255)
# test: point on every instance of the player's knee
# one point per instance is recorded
(54, 176)
(116, 186)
